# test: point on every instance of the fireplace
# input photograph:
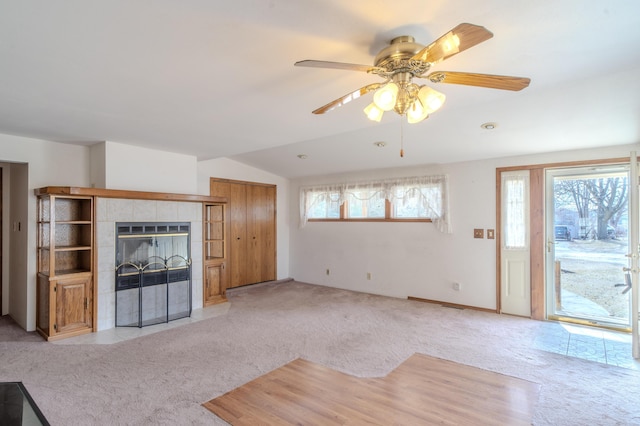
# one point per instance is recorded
(153, 273)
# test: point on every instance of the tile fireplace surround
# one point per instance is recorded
(112, 210)
(98, 270)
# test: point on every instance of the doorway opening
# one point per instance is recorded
(587, 246)
(1, 238)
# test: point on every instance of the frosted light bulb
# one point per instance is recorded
(373, 112)
(385, 98)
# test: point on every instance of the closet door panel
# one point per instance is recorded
(256, 196)
(220, 189)
(268, 254)
(238, 230)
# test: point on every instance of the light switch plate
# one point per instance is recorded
(491, 234)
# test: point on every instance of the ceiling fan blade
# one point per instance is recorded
(455, 41)
(334, 65)
(347, 98)
(503, 82)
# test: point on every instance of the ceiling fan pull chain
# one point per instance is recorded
(401, 137)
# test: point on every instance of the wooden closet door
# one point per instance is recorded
(268, 258)
(256, 195)
(238, 232)
(261, 233)
(252, 230)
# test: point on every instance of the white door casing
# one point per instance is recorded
(634, 236)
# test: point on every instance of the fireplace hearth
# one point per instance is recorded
(153, 273)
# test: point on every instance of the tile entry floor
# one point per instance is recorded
(593, 344)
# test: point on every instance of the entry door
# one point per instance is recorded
(515, 253)
(587, 245)
(634, 213)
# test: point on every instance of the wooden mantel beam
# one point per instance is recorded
(120, 193)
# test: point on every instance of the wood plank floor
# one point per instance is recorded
(422, 391)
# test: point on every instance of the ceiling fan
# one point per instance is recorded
(403, 60)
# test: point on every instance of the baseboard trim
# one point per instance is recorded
(452, 305)
(250, 286)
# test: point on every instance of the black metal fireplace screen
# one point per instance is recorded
(153, 273)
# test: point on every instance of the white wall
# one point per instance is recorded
(142, 169)
(97, 165)
(229, 169)
(414, 259)
(49, 164)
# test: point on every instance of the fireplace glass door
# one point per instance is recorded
(153, 273)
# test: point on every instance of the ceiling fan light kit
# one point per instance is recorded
(373, 112)
(403, 60)
(428, 101)
(385, 98)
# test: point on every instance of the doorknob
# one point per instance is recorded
(627, 281)
(549, 245)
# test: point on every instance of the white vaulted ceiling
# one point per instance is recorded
(216, 79)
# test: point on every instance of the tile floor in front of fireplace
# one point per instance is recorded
(119, 334)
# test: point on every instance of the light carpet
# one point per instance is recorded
(163, 378)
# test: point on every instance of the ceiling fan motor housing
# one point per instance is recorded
(401, 49)
(396, 60)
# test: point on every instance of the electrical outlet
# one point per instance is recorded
(368, 275)
(478, 233)
(456, 286)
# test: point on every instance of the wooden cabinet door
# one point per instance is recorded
(238, 234)
(214, 283)
(73, 304)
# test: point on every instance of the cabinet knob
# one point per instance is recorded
(237, 238)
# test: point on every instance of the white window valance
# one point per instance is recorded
(431, 193)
